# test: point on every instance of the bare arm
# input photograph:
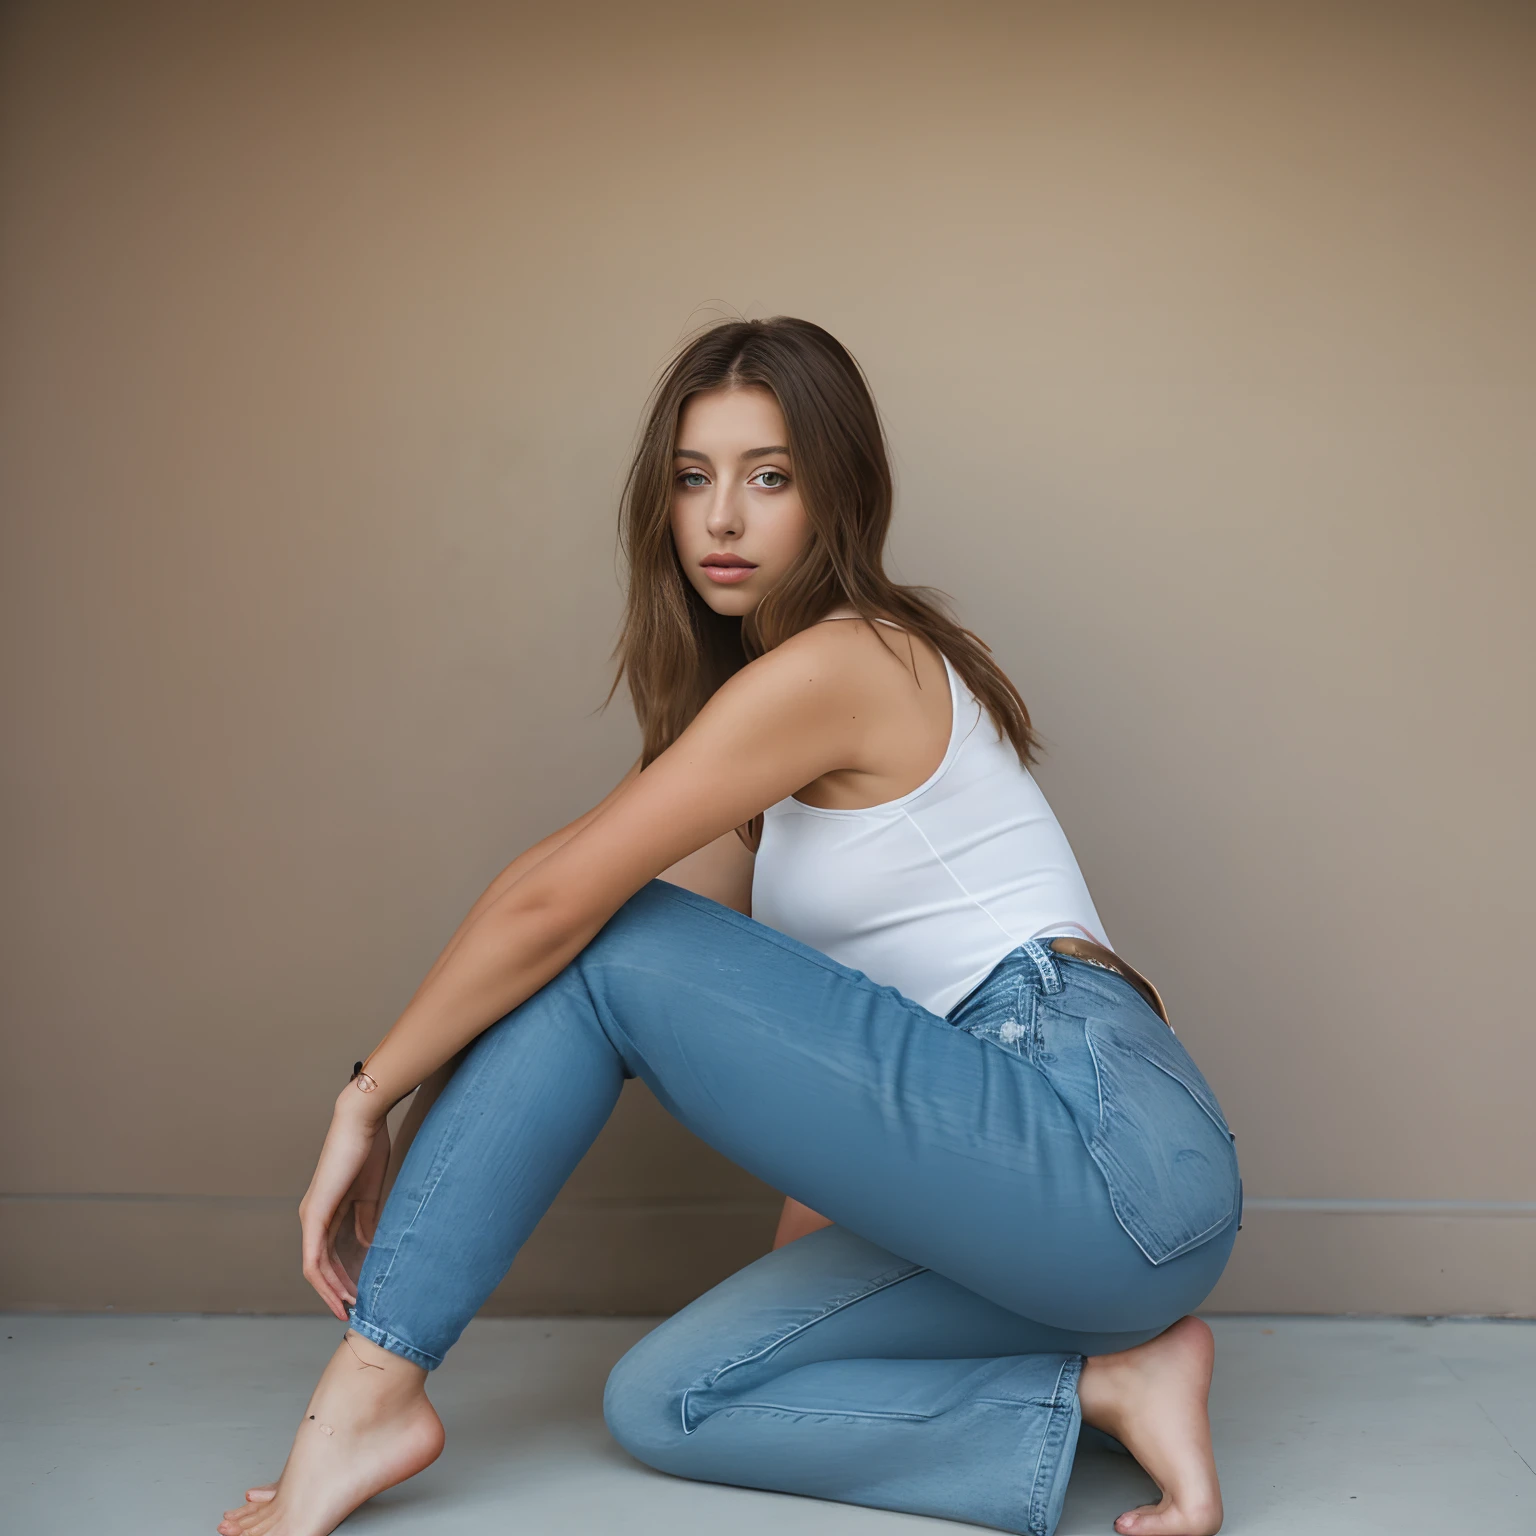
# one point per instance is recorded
(426, 1095)
(776, 725)
(721, 870)
(781, 722)
(520, 866)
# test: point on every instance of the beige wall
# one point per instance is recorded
(1205, 340)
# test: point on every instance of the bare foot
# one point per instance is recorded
(367, 1427)
(1153, 1399)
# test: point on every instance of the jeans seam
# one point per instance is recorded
(838, 1304)
(434, 1178)
(1051, 1441)
(1098, 1074)
(827, 1413)
(1010, 1404)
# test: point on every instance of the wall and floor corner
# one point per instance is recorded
(1205, 338)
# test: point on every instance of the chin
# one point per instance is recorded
(730, 602)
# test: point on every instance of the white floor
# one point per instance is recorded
(140, 1425)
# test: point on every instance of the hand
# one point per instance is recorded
(340, 1209)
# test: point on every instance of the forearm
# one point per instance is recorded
(501, 958)
(526, 861)
(520, 866)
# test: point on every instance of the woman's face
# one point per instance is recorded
(737, 518)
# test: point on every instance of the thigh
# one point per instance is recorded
(830, 1296)
(837, 1369)
(834, 1295)
(922, 1138)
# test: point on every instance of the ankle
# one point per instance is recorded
(1099, 1393)
(364, 1382)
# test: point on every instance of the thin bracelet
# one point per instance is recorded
(365, 1082)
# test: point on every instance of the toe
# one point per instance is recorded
(262, 1495)
(263, 1518)
(235, 1521)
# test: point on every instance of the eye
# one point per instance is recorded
(693, 479)
(770, 479)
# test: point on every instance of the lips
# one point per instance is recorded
(727, 570)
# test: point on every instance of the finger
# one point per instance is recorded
(319, 1277)
(316, 1270)
(326, 1203)
(320, 1270)
(336, 1276)
(333, 1293)
(327, 1294)
(335, 1266)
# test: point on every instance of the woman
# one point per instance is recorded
(921, 1032)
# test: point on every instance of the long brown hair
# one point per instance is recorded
(675, 650)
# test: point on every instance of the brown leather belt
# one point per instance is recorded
(1108, 960)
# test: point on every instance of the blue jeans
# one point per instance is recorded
(1041, 1176)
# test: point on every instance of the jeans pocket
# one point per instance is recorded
(1150, 1122)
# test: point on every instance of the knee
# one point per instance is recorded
(658, 913)
(642, 1405)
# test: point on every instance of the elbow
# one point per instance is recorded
(537, 924)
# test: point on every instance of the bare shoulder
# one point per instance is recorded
(831, 716)
(807, 687)
(892, 706)
(811, 671)
(879, 661)
(847, 659)
(785, 720)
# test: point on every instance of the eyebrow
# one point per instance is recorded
(751, 453)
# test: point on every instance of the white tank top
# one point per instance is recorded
(926, 893)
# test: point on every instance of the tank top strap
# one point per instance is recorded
(832, 618)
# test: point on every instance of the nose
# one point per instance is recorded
(724, 518)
